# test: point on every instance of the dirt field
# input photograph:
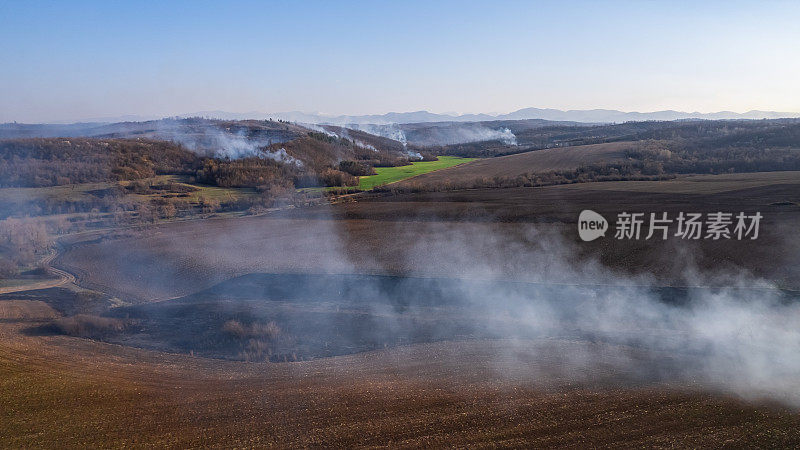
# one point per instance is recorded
(564, 158)
(694, 184)
(74, 393)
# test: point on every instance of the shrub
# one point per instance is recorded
(355, 168)
(24, 240)
(268, 331)
(386, 161)
(235, 328)
(429, 156)
(333, 177)
(257, 340)
(84, 300)
(86, 325)
(41, 162)
(7, 268)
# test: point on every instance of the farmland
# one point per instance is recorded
(697, 184)
(566, 158)
(179, 400)
(387, 175)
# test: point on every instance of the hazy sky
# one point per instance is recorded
(78, 60)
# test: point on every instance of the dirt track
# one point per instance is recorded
(64, 277)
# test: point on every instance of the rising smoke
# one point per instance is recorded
(211, 141)
(742, 338)
(391, 131)
(522, 285)
(442, 134)
(477, 133)
(343, 134)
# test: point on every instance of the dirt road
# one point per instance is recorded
(63, 278)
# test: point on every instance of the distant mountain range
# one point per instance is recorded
(574, 115)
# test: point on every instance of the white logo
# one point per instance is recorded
(591, 225)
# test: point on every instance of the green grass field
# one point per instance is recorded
(386, 175)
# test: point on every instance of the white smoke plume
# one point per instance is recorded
(742, 339)
(281, 156)
(391, 131)
(343, 134)
(364, 145)
(448, 134)
(507, 137)
(521, 286)
(399, 135)
(320, 129)
(465, 133)
(214, 142)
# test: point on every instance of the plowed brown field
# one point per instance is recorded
(73, 393)
(562, 158)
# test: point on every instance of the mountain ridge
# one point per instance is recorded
(573, 115)
(598, 115)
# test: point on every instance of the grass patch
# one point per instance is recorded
(87, 325)
(24, 281)
(202, 190)
(72, 192)
(315, 190)
(78, 192)
(386, 175)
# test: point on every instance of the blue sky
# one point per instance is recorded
(78, 60)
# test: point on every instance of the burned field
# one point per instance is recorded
(295, 317)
